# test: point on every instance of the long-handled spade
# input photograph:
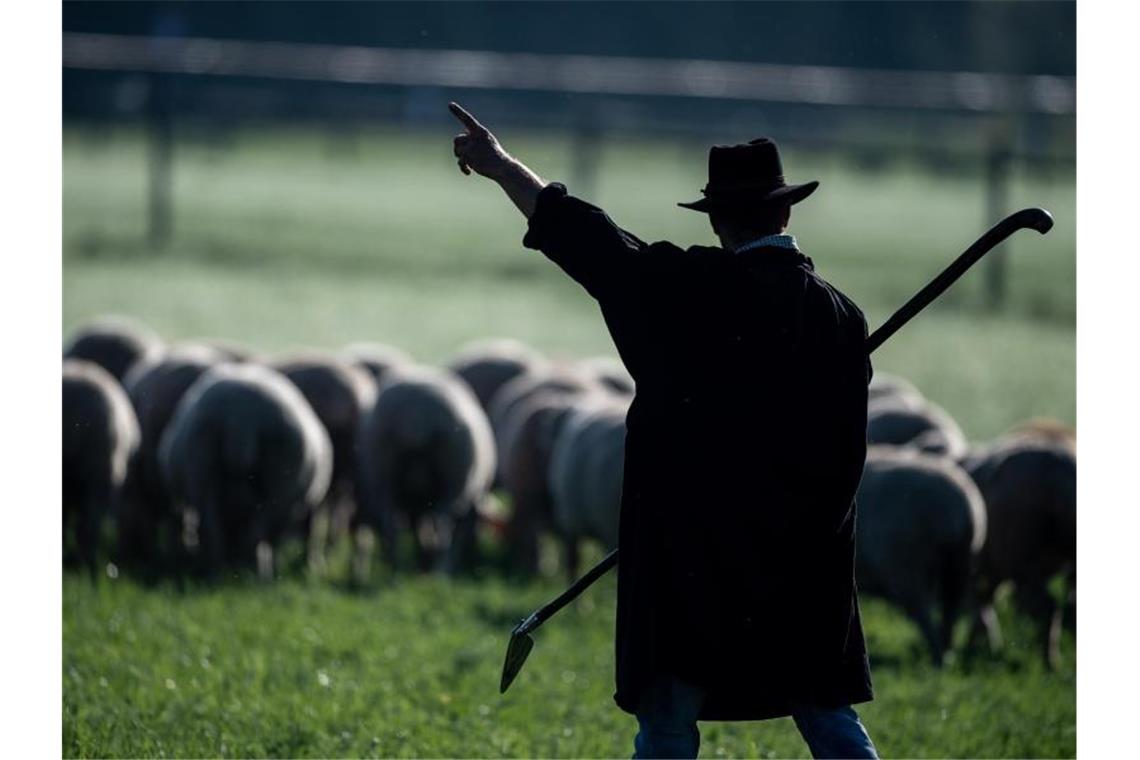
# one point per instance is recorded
(518, 648)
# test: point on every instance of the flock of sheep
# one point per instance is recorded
(208, 457)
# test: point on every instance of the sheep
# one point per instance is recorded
(114, 343)
(585, 475)
(147, 529)
(1030, 488)
(551, 377)
(488, 365)
(528, 441)
(896, 388)
(427, 458)
(243, 458)
(377, 358)
(921, 524)
(927, 428)
(339, 393)
(609, 372)
(100, 437)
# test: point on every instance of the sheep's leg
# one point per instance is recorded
(129, 530)
(264, 552)
(1069, 612)
(69, 555)
(258, 545)
(87, 536)
(571, 556)
(1034, 600)
(421, 527)
(955, 585)
(210, 536)
(464, 536)
(985, 625)
(389, 544)
(984, 620)
(318, 537)
(341, 516)
(522, 536)
(364, 544)
(918, 609)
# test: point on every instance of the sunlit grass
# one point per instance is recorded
(412, 669)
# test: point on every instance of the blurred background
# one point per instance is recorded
(279, 175)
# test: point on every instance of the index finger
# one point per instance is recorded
(465, 118)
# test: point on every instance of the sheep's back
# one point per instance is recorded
(100, 431)
(114, 343)
(913, 510)
(1029, 487)
(928, 428)
(586, 470)
(428, 417)
(243, 422)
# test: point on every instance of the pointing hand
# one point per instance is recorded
(476, 148)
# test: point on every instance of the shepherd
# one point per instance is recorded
(745, 445)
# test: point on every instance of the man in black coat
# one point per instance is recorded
(745, 444)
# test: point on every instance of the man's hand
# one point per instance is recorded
(477, 150)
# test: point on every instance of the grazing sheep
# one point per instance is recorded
(921, 524)
(1030, 489)
(609, 372)
(377, 358)
(148, 527)
(100, 437)
(927, 428)
(585, 475)
(899, 389)
(427, 457)
(339, 393)
(550, 378)
(528, 442)
(488, 365)
(114, 343)
(244, 458)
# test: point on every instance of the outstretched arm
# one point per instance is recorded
(575, 235)
(477, 150)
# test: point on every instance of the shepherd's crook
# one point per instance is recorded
(518, 648)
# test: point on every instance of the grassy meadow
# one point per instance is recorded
(411, 669)
(291, 238)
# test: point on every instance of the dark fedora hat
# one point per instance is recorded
(742, 176)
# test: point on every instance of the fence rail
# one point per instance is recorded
(728, 80)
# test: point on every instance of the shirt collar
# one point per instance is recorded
(770, 241)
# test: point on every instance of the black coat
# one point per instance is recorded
(745, 446)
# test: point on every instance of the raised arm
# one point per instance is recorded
(477, 150)
(576, 235)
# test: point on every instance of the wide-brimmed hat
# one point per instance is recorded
(742, 176)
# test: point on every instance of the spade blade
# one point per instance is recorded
(518, 649)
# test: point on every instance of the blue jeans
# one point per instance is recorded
(667, 721)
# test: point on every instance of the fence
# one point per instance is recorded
(1003, 103)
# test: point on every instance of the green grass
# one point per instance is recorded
(412, 670)
(285, 239)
